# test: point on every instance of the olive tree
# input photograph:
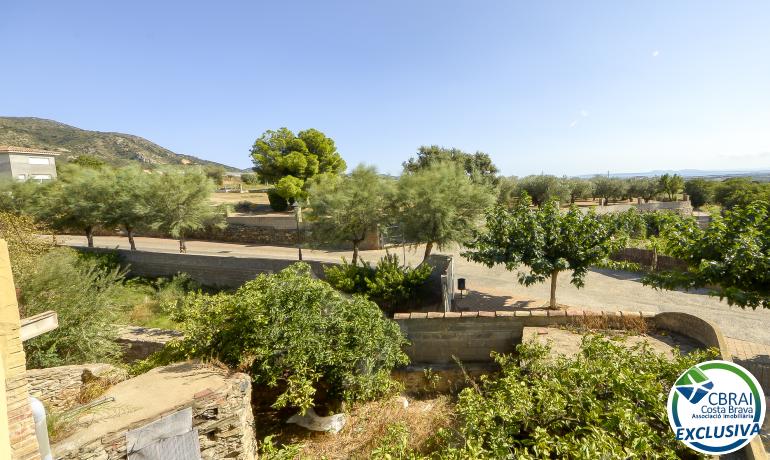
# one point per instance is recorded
(546, 240)
(346, 208)
(439, 205)
(671, 184)
(609, 188)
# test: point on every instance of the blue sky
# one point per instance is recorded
(542, 86)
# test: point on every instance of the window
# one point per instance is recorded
(39, 161)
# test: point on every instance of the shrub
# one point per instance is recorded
(83, 294)
(295, 334)
(24, 246)
(249, 178)
(277, 202)
(389, 284)
(605, 402)
(246, 206)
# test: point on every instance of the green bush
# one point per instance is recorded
(609, 401)
(83, 294)
(389, 284)
(249, 178)
(295, 334)
(277, 202)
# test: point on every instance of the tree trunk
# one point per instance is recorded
(90, 236)
(182, 245)
(428, 249)
(355, 252)
(654, 259)
(552, 305)
(130, 234)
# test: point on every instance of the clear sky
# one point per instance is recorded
(563, 87)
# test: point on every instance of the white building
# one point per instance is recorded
(21, 163)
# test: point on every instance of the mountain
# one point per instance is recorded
(113, 148)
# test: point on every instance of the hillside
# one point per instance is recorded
(113, 148)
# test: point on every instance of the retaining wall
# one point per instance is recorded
(219, 271)
(59, 387)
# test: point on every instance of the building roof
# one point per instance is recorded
(27, 150)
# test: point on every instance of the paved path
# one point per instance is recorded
(497, 289)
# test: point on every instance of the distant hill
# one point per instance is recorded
(113, 148)
(715, 174)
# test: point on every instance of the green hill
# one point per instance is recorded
(113, 148)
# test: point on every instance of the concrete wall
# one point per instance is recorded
(17, 426)
(439, 287)
(219, 271)
(14, 164)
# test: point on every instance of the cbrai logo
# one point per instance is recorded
(716, 407)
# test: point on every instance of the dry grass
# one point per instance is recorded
(633, 324)
(232, 198)
(368, 424)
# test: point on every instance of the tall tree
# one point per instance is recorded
(178, 203)
(740, 191)
(546, 240)
(346, 208)
(439, 205)
(701, 191)
(126, 205)
(731, 256)
(478, 166)
(76, 201)
(671, 184)
(281, 153)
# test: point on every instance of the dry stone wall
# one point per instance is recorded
(59, 387)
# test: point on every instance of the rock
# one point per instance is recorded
(311, 421)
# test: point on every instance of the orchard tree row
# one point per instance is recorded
(174, 201)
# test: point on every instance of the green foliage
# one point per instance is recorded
(544, 188)
(25, 247)
(478, 166)
(701, 191)
(296, 334)
(277, 202)
(83, 295)
(177, 203)
(77, 200)
(246, 207)
(249, 179)
(740, 191)
(346, 208)
(389, 284)
(508, 191)
(269, 451)
(578, 188)
(646, 188)
(440, 205)
(671, 184)
(546, 240)
(215, 173)
(608, 401)
(88, 161)
(610, 188)
(126, 205)
(277, 154)
(290, 188)
(733, 254)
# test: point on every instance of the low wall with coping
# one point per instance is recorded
(436, 339)
(59, 387)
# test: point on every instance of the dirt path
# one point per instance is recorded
(497, 289)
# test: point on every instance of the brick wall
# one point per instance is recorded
(21, 428)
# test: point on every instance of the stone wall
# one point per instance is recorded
(59, 387)
(220, 271)
(644, 257)
(17, 429)
(140, 342)
(221, 409)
